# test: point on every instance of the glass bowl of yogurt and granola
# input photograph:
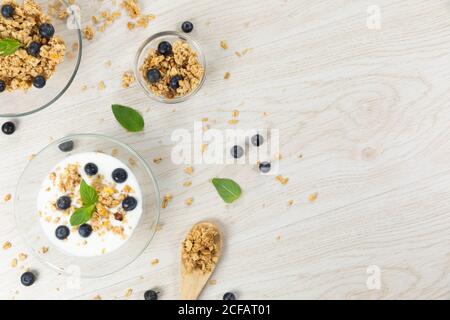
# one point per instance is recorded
(87, 205)
(170, 67)
(40, 53)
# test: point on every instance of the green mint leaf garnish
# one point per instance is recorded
(9, 46)
(128, 118)
(228, 190)
(82, 215)
(88, 194)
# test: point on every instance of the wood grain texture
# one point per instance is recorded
(363, 117)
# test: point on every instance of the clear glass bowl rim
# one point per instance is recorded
(114, 141)
(143, 84)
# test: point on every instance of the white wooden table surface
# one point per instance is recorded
(363, 115)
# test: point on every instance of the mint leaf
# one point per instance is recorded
(8, 46)
(88, 194)
(228, 190)
(82, 215)
(128, 118)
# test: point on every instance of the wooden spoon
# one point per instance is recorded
(192, 283)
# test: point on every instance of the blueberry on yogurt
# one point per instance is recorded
(85, 230)
(91, 169)
(129, 203)
(63, 203)
(62, 232)
(2, 86)
(120, 175)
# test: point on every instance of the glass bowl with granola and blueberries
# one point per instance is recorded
(40, 53)
(87, 204)
(170, 67)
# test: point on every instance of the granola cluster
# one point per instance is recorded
(201, 248)
(18, 69)
(109, 216)
(182, 63)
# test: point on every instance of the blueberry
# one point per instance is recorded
(7, 11)
(264, 167)
(2, 86)
(237, 152)
(28, 278)
(151, 295)
(39, 82)
(34, 48)
(129, 203)
(187, 26)
(63, 203)
(153, 75)
(91, 169)
(66, 146)
(8, 128)
(46, 30)
(257, 140)
(85, 230)
(120, 175)
(175, 82)
(62, 232)
(165, 48)
(229, 296)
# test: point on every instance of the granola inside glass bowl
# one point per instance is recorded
(40, 53)
(49, 203)
(170, 67)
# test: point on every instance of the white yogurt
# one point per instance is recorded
(95, 244)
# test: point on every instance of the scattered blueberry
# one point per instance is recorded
(8, 128)
(34, 48)
(120, 175)
(39, 82)
(257, 140)
(91, 169)
(85, 230)
(153, 75)
(151, 295)
(66, 146)
(63, 203)
(229, 296)
(175, 82)
(46, 30)
(165, 48)
(2, 86)
(187, 26)
(62, 232)
(264, 167)
(28, 278)
(129, 203)
(7, 11)
(237, 152)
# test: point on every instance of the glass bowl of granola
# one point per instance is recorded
(87, 205)
(170, 67)
(40, 53)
